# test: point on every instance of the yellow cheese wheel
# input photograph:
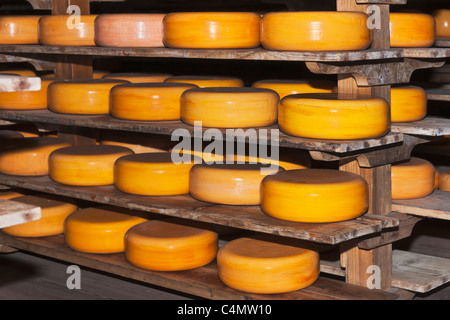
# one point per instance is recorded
(412, 179)
(266, 267)
(19, 29)
(208, 81)
(29, 156)
(54, 211)
(129, 30)
(408, 103)
(412, 30)
(314, 195)
(233, 184)
(333, 116)
(444, 180)
(147, 101)
(10, 194)
(152, 174)
(436, 179)
(230, 107)
(168, 246)
(99, 229)
(81, 96)
(26, 100)
(211, 30)
(442, 19)
(288, 87)
(95, 74)
(213, 156)
(20, 72)
(138, 142)
(90, 165)
(315, 31)
(136, 77)
(65, 30)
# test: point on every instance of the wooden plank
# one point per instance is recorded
(430, 126)
(442, 42)
(13, 213)
(436, 205)
(13, 83)
(203, 282)
(47, 4)
(438, 94)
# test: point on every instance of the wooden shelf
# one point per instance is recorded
(13, 213)
(430, 126)
(438, 94)
(436, 205)
(442, 43)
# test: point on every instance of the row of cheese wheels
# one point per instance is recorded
(293, 31)
(248, 264)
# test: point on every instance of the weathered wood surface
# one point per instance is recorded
(429, 126)
(436, 205)
(14, 213)
(13, 83)
(438, 94)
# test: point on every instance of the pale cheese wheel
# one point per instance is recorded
(169, 246)
(232, 184)
(314, 195)
(129, 30)
(90, 165)
(99, 229)
(408, 103)
(26, 100)
(29, 156)
(288, 87)
(442, 20)
(230, 107)
(20, 72)
(87, 97)
(152, 174)
(19, 29)
(208, 81)
(266, 267)
(54, 210)
(10, 194)
(67, 30)
(147, 101)
(408, 30)
(444, 180)
(211, 30)
(138, 142)
(136, 77)
(315, 31)
(334, 116)
(414, 178)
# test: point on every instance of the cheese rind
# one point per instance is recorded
(444, 180)
(412, 179)
(288, 87)
(208, 81)
(442, 19)
(168, 246)
(411, 30)
(26, 100)
(136, 77)
(19, 29)
(408, 103)
(314, 195)
(10, 194)
(65, 30)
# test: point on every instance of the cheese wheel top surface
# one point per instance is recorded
(26, 100)
(411, 29)
(208, 81)
(64, 30)
(157, 157)
(19, 29)
(32, 144)
(313, 177)
(136, 77)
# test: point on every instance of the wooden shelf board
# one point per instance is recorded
(203, 282)
(438, 94)
(13, 213)
(243, 217)
(436, 205)
(442, 43)
(429, 126)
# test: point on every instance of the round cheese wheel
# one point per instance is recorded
(266, 267)
(315, 31)
(442, 19)
(411, 30)
(29, 156)
(65, 30)
(207, 156)
(230, 107)
(152, 174)
(129, 30)
(208, 81)
(168, 246)
(139, 143)
(136, 77)
(54, 211)
(20, 72)
(26, 100)
(314, 195)
(90, 165)
(288, 87)
(81, 96)
(333, 116)
(444, 180)
(19, 29)
(408, 103)
(147, 101)
(95, 74)
(233, 184)
(99, 229)
(412, 179)
(10, 194)
(436, 179)
(211, 30)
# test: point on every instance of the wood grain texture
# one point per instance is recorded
(429, 126)
(436, 205)
(14, 213)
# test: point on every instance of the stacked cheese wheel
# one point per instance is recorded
(138, 142)
(230, 107)
(334, 116)
(412, 179)
(208, 81)
(444, 180)
(147, 101)
(99, 229)
(10, 194)
(81, 96)
(64, 30)
(29, 156)
(54, 211)
(90, 165)
(408, 103)
(442, 19)
(411, 30)
(208, 152)
(26, 100)
(170, 246)
(314, 195)
(260, 266)
(19, 29)
(315, 31)
(211, 30)
(138, 77)
(288, 87)
(129, 30)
